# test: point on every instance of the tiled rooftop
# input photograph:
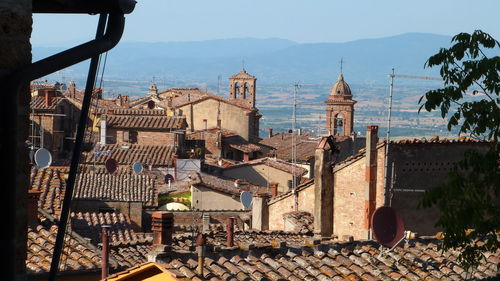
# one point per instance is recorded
(420, 259)
(145, 122)
(89, 225)
(51, 183)
(225, 185)
(38, 103)
(282, 143)
(119, 187)
(274, 163)
(78, 255)
(156, 155)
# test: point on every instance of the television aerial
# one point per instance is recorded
(137, 168)
(388, 228)
(43, 158)
(111, 165)
(246, 199)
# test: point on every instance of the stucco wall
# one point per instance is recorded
(207, 199)
(260, 174)
(232, 117)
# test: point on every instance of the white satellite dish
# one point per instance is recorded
(137, 168)
(246, 199)
(43, 158)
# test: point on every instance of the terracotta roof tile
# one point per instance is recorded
(38, 103)
(146, 122)
(274, 163)
(224, 184)
(156, 155)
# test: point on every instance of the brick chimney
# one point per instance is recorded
(270, 130)
(200, 250)
(163, 228)
(370, 175)
(230, 231)
(72, 89)
(48, 97)
(125, 101)
(273, 186)
(32, 206)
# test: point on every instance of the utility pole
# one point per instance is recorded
(296, 86)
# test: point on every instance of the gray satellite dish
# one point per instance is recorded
(43, 158)
(246, 199)
(137, 168)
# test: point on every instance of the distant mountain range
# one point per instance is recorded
(273, 61)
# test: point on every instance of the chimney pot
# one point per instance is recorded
(105, 251)
(162, 227)
(32, 205)
(230, 231)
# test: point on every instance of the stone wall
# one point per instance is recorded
(260, 174)
(208, 199)
(232, 117)
(15, 52)
(418, 167)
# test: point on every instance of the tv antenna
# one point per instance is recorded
(389, 115)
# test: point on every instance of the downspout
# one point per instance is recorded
(17, 80)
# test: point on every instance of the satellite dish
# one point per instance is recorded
(387, 226)
(151, 104)
(43, 158)
(246, 199)
(137, 168)
(169, 178)
(111, 165)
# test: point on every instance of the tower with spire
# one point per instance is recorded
(340, 109)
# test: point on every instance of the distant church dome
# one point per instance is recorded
(341, 88)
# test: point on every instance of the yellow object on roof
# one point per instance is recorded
(148, 272)
(176, 206)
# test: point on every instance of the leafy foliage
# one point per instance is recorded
(469, 201)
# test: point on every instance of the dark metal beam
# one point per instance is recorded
(83, 6)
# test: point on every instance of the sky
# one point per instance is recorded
(303, 21)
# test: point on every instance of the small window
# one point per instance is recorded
(205, 126)
(126, 136)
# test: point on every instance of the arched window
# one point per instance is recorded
(338, 124)
(246, 90)
(236, 89)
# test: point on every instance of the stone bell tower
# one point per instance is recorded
(340, 109)
(242, 87)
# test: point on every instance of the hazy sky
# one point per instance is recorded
(297, 20)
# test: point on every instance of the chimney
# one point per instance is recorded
(103, 130)
(370, 175)
(48, 97)
(162, 227)
(200, 250)
(270, 130)
(32, 206)
(72, 89)
(105, 251)
(323, 188)
(273, 186)
(230, 231)
(126, 101)
(260, 212)
(206, 223)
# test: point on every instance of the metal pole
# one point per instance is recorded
(387, 139)
(54, 266)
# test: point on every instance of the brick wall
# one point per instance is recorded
(143, 137)
(285, 205)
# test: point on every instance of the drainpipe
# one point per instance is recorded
(105, 251)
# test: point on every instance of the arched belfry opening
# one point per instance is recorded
(340, 109)
(242, 87)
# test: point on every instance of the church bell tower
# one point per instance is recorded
(340, 109)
